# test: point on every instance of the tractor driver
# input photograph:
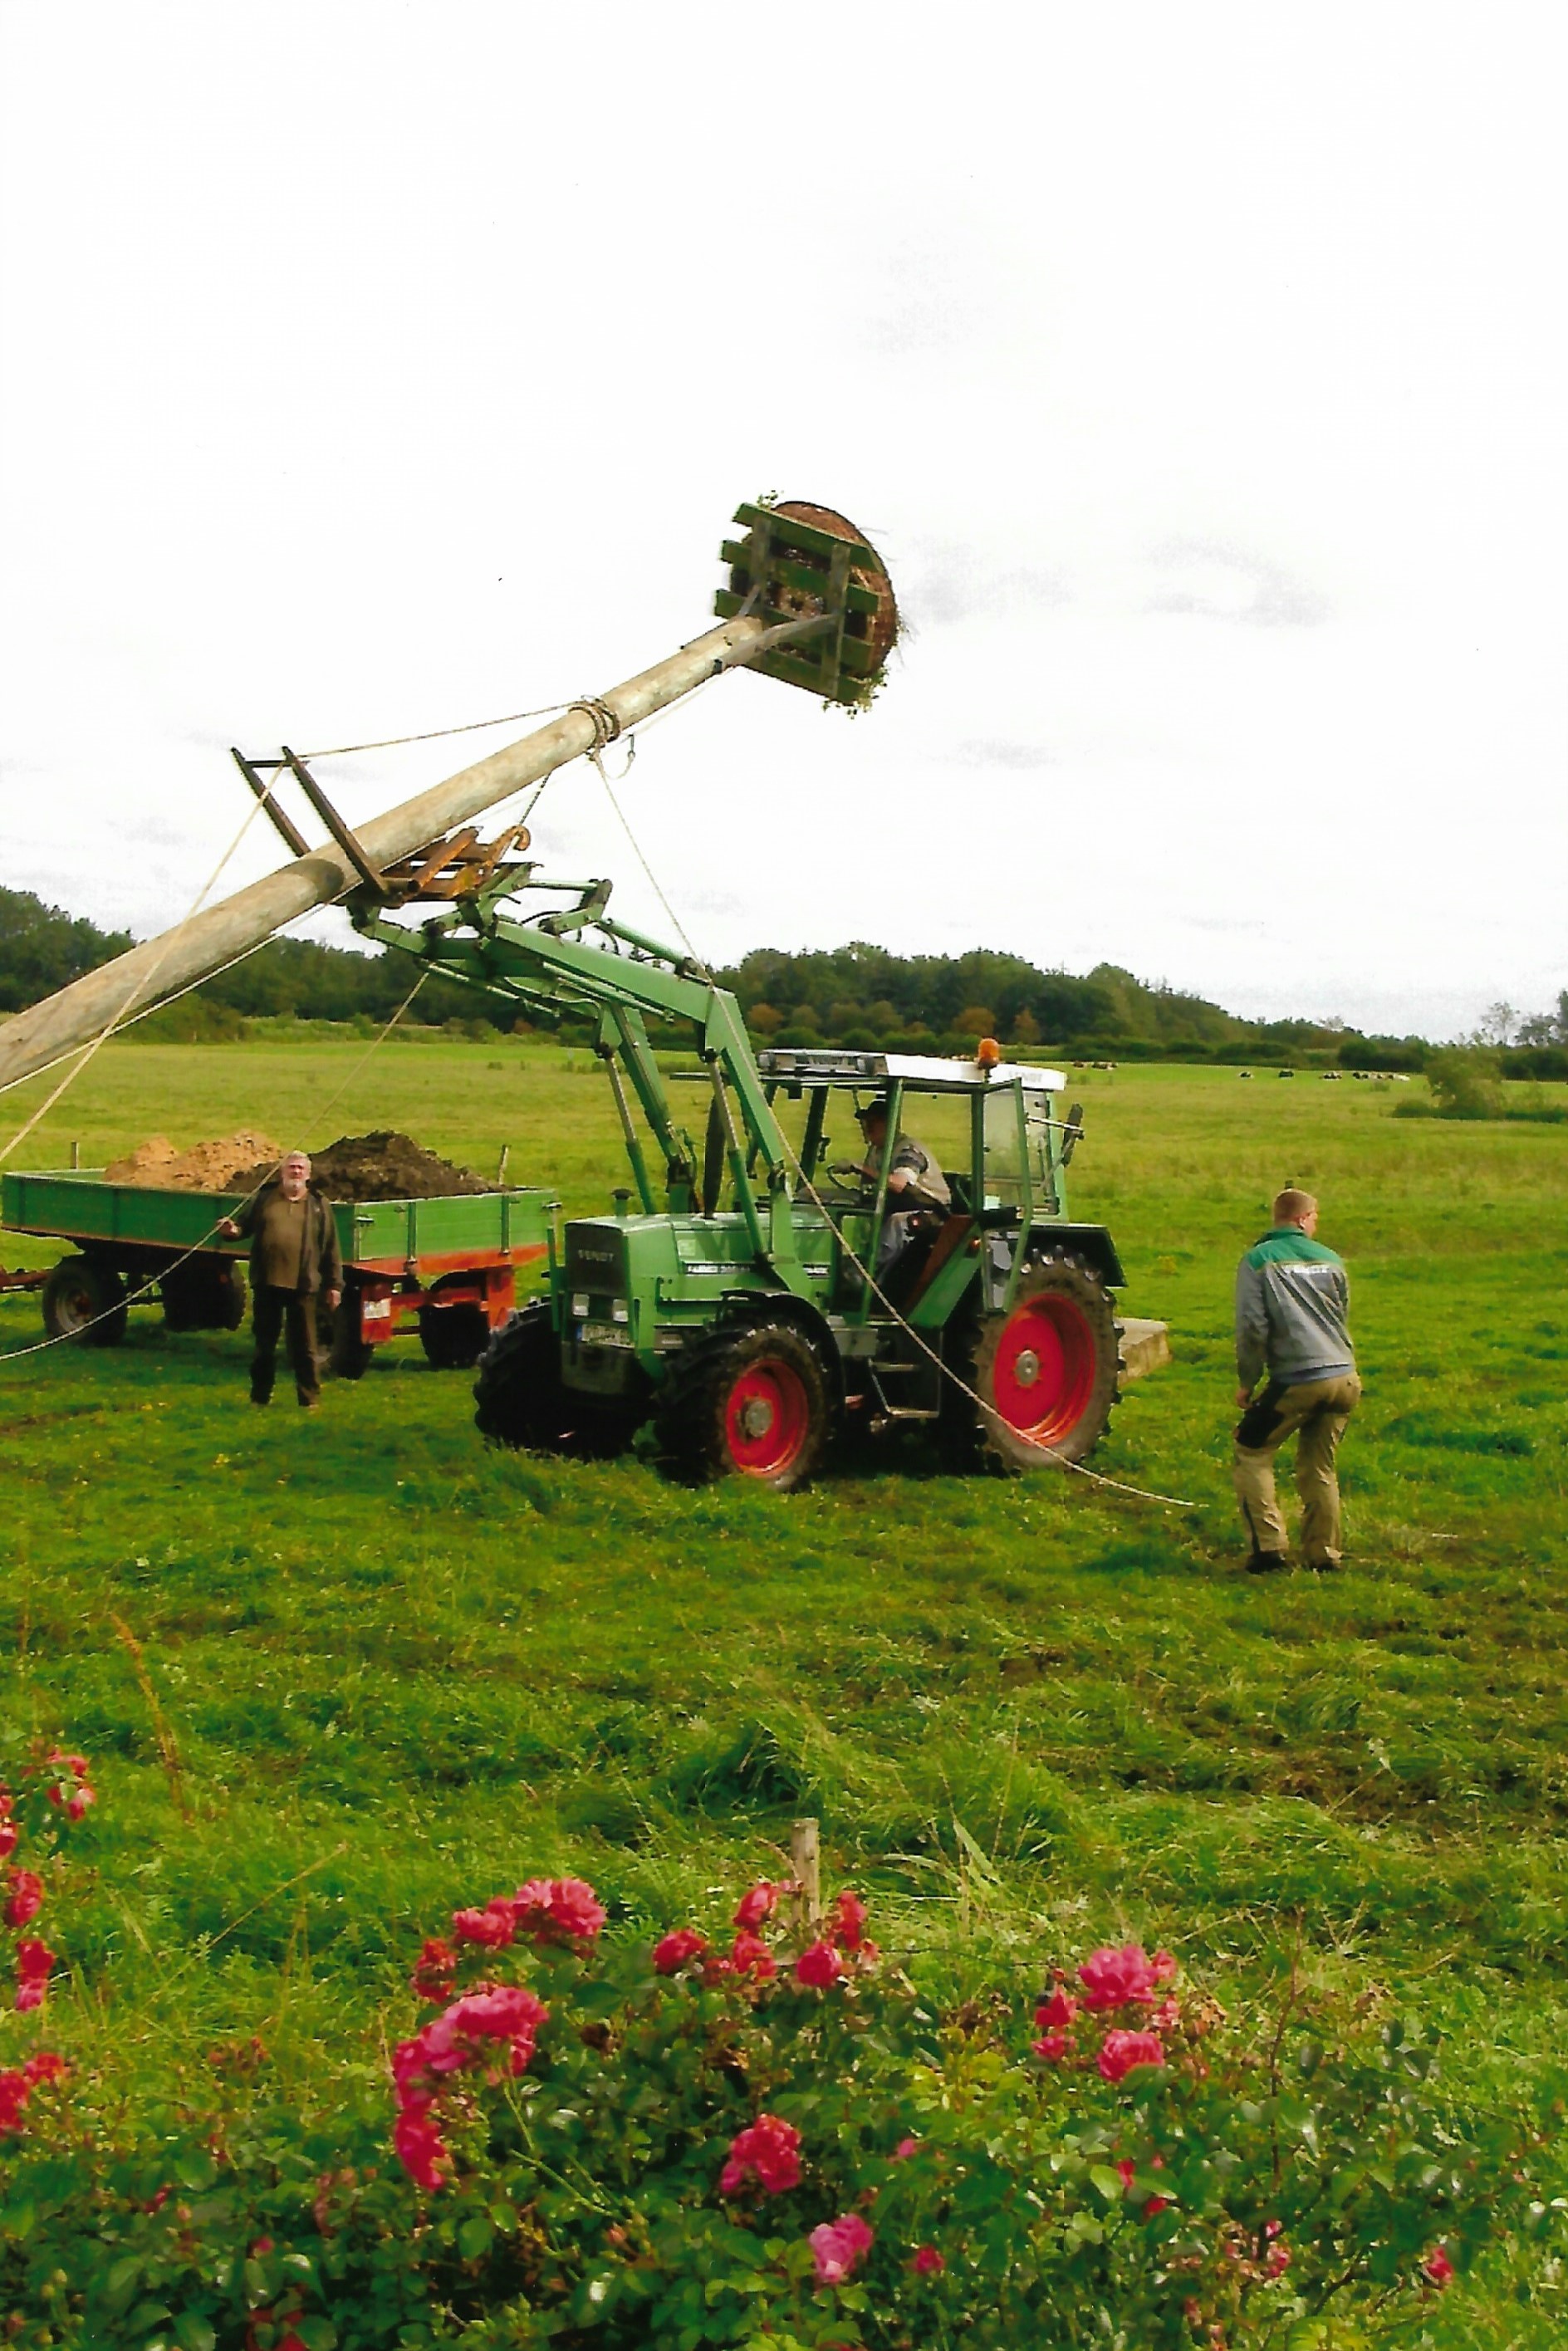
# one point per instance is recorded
(914, 1182)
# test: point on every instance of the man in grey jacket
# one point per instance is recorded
(1292, 1307)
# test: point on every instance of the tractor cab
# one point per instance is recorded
(993, 1129)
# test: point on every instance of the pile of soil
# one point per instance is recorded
(226, 1164)
(381, 1166)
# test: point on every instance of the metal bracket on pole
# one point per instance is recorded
(283, 823)
(346, 839)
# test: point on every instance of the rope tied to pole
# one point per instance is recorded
(606, 726)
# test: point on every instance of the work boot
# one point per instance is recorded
(1323, 1566)
(1268, 1562)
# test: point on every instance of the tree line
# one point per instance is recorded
(858, 995)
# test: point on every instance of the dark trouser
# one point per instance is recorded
(270, 1309)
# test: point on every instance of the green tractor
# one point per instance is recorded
(749, 1303)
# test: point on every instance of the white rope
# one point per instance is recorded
(433, 733)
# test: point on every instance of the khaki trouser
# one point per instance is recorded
(1315, 1414)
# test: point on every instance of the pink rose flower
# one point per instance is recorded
(26, 1898)
(904, 2149)
(493, 1927)
(559, 1910)
(928, 2263)
(676, 1948)
(1052, 2046)
(420, 2149)
(760, 1903)
(768, 2152)
(1053, 2015)
(1114, 1978)
(1438, 2269)
(1123, 2051)
(837, 2246)
(9, 1833)
(848, 1928)
(819, 1965)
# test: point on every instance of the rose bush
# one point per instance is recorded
(647, 2140)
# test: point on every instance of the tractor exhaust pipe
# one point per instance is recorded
(807, 602)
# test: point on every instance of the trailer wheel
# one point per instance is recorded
(748, 1402)
(205, 1293)
(85, 1300)
(1046, 1373)
(454, 1337)
(351, 1352)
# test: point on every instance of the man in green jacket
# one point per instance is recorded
(1293, 1308)
(295, 1259)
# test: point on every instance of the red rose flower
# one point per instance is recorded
(749, 1956)
(26, 1898)
(1438, 2269)
(768, 2152)
(819, 1965)
(1053, 2015)
(848, 1928)
(928, 2263)
(420, 2149)
(33, 1961)
(1123, 2051)
(672, 1954)
(433, 1979)
(759, 1903)
(1052, 2046)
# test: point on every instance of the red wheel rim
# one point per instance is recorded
(767, 1416)
(1045, 1374)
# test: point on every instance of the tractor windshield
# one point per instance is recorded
(1019, 1164)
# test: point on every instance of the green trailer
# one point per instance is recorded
(449, 1266)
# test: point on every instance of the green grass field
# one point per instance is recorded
(399, 1672)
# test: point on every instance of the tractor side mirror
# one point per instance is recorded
(1071, 1128)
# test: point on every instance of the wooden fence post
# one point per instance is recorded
(806, 1861)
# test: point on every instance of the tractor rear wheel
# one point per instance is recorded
(522, 1401)
(85, 1300)
(750, 1401)
(1045, 1374)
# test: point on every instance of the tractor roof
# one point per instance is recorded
(828, 1065)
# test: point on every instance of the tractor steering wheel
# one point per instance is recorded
(850, 1173)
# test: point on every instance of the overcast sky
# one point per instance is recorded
(1199, 372)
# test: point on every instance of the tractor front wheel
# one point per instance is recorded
(1045, 1374)
(522, 1401)
(748, 1402)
